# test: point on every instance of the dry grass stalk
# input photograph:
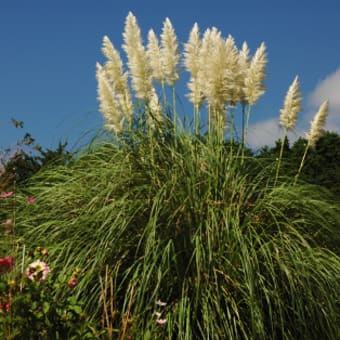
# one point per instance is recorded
(109, 313)
(127, 315)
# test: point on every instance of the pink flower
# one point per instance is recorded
(6, 264)
(6, 194)
(72, 282)
(30, 200)
(37, 271)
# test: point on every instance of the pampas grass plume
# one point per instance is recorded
(291, 106)
(253, 83)
(318, 124)
(211, 59)
(131, 35)
(156, 114)
(169, 52)
(154, 56)
(108, 104)
(232, 85)
(192, 50)
(112, 54)
(243, 66)
(191, 63)
(114, 66)
(140, 71)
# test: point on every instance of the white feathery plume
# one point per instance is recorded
(154, 56)
(191, 50)
(244, 55)
(318, 123)
(243, 66)
(155, 108)
(114, 66)
(211, 81)
(169, 51)
(253, 83)
(205, 57)
(315, 132)
(137, 59)
(291, 106)
(117, 78)
(191, 62)
(232, 90)
(109, 105)
(131, 35)
(113, 57)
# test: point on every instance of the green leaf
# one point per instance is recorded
(77, 309)
(46, 307)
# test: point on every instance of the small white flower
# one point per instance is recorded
(161, 321)
(160, 303)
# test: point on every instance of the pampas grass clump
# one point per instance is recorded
(182, 234)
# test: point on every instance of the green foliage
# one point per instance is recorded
(23, 164)
(322, 165)
(29, 308)
(26, 158)
(192, 222)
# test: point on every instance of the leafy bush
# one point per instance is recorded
(29, 307)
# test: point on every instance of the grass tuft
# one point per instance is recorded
(233, 252)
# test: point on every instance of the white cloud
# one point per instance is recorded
(328, 88)
(263, 133)
(268, 131)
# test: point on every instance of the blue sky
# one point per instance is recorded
(49, 50)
